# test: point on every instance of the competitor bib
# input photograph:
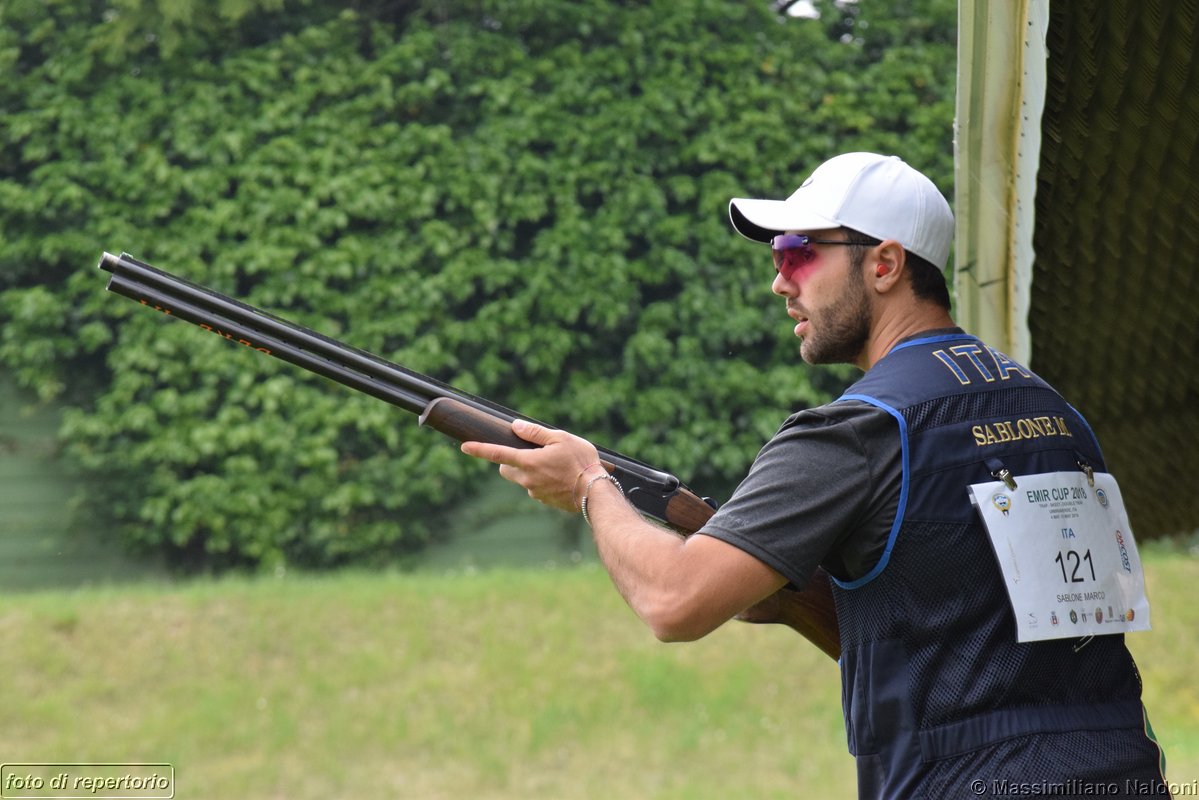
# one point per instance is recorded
(1065, 547)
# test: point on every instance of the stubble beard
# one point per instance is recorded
(843, 328)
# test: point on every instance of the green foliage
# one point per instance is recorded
(524, 198)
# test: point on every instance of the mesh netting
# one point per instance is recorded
(1113, 316)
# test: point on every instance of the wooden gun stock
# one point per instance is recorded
(811, 612)
(465, 423)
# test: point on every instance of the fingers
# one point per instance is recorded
(537, 434)
(495, 453)
(510, 473)
(499, 454)
(549, 472)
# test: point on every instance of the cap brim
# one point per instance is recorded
(762, 220)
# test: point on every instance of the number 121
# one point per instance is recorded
(1075, 562)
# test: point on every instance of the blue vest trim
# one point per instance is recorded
(946, 337)
(903, 492)
(984, 730)
(1087, 425)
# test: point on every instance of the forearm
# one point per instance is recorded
(682, 588)
(640, 557)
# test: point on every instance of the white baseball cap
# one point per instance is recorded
(877, 195)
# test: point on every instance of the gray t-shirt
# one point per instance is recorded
(824, 491)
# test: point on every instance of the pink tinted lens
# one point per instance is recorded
(790, 253)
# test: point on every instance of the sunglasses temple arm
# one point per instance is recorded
(464, 417)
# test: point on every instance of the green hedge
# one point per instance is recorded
(525, 198)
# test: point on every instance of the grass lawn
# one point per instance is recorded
(490, 684)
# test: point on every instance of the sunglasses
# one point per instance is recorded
(792, 251)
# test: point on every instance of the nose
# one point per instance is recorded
(783, 287)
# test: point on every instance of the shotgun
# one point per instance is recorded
(463, 417)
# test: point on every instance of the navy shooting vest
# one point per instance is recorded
(937, 693)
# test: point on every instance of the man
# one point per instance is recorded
(939, 697)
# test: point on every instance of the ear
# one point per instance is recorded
(885, 265)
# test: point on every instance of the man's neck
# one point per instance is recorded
(891, 329)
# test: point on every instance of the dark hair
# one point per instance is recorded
(928, 282)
